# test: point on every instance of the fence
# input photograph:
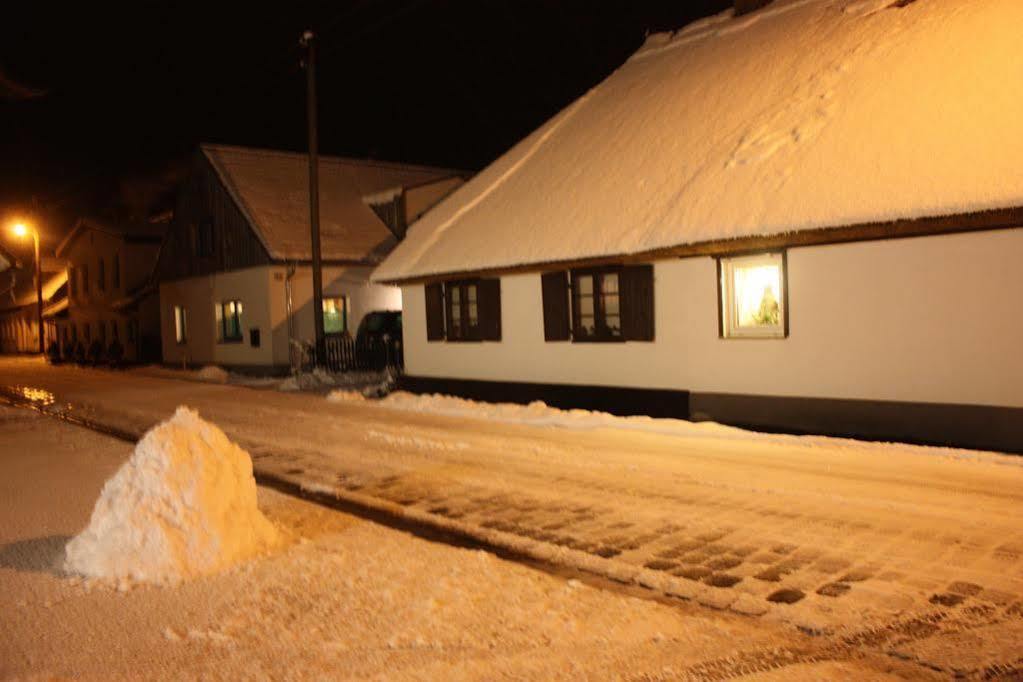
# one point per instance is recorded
(345, 355)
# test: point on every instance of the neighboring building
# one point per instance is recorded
(111, 293)
(19, 315)
(807, 219)
(235, 273)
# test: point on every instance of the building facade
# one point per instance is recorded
(113, 307)
(235, 273)
(692, 239)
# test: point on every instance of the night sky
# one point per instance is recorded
(101, 107)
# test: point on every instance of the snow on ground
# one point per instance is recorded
(538, 413)
(342, 599)
(914, 552)
(183, 505)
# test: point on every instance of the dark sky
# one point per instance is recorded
(98, 101)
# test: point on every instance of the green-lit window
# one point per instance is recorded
(335, 315)
(229, 321)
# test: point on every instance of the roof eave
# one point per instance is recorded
(993, 219)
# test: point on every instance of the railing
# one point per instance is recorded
(345, 355)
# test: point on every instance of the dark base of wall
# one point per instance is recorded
(612, 399)
(979, 427)
(966, 426)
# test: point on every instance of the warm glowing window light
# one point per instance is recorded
(753, 295)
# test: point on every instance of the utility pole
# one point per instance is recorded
(39, 293)
(308, 41)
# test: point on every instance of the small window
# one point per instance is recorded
(335, 315)
(597, 305)
(471, 310)
(753, 296)
(101, 275)
(229, 321)
(463, 311)
(117, 271)
(180, 324)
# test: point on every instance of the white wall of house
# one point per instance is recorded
(929, 319)
(262, 291)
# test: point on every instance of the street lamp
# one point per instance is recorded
(21, 230)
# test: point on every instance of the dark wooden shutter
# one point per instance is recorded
(434, 312)
(490, 309)
(637, 285)
(556, 324)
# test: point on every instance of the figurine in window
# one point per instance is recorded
(769, 311)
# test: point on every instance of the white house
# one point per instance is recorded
(805, 217)
(235, 269)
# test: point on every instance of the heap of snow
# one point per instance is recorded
(538, 413)
(805, 114)
(213, 374)
(184, 505)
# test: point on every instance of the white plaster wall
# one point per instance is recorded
(930, 319)
(337, 281)
(198, 295)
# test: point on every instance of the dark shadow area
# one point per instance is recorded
(36, 555)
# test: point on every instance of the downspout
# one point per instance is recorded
(288, 307)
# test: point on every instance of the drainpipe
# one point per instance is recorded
(288, 307)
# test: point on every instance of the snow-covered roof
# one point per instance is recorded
(19, 291)
(147, 231)
(805, 114)
(272, 189)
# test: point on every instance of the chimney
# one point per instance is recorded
(746, 6)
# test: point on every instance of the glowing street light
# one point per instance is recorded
(21, 230)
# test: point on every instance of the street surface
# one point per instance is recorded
(913, 554)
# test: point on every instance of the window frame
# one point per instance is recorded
(222, 317)
(180, 324)
(728, 326)
(345, 309)
(602, 332)
(473, 334)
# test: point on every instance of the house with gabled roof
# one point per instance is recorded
(235, 270)
(795, 215)
(112, 302)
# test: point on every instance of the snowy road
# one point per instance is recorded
(914, 552)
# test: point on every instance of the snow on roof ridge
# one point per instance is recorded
(717, 25)
(327, 158)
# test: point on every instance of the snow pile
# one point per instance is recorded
(213, 374)
(183, 505)
(346, 397)
(538, 413)
(369, 383)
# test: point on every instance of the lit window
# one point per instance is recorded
(180, 324)
(597, 305)
(335, 315)
(753, 296)
(229, 321)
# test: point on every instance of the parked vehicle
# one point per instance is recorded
(378, 341)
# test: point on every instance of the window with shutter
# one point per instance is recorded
(596, 305)
(611, 304)
(471, 310)
(434, 312)
(557, 324)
